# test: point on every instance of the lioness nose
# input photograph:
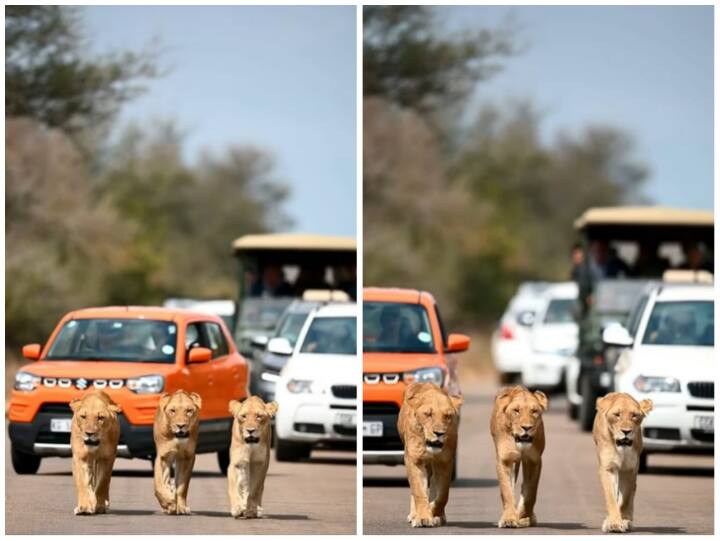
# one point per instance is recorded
(181, 425)
(626, 432)
(250, 430)
(89, 433)
(527, 428)
(439, 433)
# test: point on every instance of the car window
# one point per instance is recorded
(193, 336)
(681, 323)
(560, 311)
(442, 327)
(291, 326)
(216, 340)
(128, 340)
(336, 335)
(636, 316)
(396, 327)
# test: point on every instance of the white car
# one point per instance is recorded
(317, 389)
(668, 357)
(553, 337)
(510, 340)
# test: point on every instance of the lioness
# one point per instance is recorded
(428, 427)
(618, 439)
(517, 430)
(94, 436)
(176, 434)
(249, 455)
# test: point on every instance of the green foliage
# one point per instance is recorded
(49, 76)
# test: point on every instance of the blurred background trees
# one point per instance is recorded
(468, 208)
(91, 220)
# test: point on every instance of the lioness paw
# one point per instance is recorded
(616, 526)
(182, 509)
(83, 510)
(509, 521)
(424, 521)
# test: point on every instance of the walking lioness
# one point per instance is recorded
(176, 435)
(517, 430)
(428, 427)
(94, 436)
(618, 440)
(249, 455)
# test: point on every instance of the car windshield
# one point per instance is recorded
(560, 311)
(291, 326)
(262, 313)
(396, 328)
(129, 340)
(328, 335)
(686, 323)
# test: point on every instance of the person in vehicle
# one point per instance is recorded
(272, 283)
(695, 258)
(396, 330)
(606, 263)
(311, 278)
(649, 263)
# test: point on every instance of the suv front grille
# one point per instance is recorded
(56, 407)
(702, 389)
(344, 391)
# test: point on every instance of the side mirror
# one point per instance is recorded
(617, 335)
(280, 346)
(260, 341)
(199, 355)
(32, 352)
(526, 318)
(458, 342)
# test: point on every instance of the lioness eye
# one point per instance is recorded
(83, 416)
(189, 411)
(172, 411)
(428, 413)
(101, 417)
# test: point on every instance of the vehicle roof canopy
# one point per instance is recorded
(296, 248)
(639, 223)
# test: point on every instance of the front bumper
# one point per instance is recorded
(316, 418)
(388, 448)
(678, 427)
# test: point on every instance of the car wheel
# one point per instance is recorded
(223, 461)
(24, 463)
(573, 411)
(290, 451)
(587, 406)
(643, 466)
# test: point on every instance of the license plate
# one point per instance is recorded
(60, 425)
(372, 429)
(705, 422)
(346, 419)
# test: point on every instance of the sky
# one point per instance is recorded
(647, 70)
(279, 78)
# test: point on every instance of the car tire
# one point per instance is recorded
(290, 451)
(587, 406)
(573, 411)
(23, 463)
(643, 462)
(223, 458)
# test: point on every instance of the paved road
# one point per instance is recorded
(675, 497)
(315, 497)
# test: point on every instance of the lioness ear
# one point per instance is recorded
(196, 400)
(411, 392)
(164, 399)
(457, 401)
(234, 407)
(602, 402)
(114, 408)
(75, 404)
(542, 399)
(646, 406)
(271, 408)
(503, 397)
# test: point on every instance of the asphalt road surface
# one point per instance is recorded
(313, 497)
(674, 497)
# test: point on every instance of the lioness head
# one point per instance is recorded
(523, 412)
(253, 417)
(435, 411)
(181, 410)
(624, 415)
(94, 415)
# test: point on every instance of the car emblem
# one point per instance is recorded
(81, 383)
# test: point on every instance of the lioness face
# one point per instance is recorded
(94, 417)
(253, 418)
(437, 415)
(524, 414)
(624, 416)
(181, 411)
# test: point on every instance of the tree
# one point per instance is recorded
(50, 77)
(408, 61)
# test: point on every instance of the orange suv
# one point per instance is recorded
(403, 341)
(134, 354)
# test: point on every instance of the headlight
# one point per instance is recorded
(146, 384)
(297, 386)
(425, 375)
(24, 381)
(657, 385)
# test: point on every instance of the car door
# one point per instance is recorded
(227, 373)
(202, 379)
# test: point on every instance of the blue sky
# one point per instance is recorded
(280, 78)
(648, 70)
